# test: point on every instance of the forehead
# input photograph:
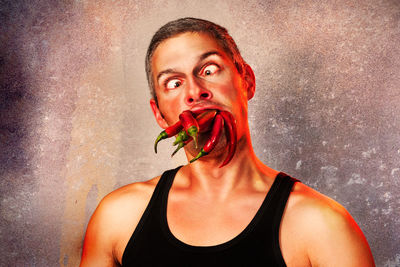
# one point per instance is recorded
(183, 49)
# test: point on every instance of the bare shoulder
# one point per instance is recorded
(127, 197)
(328, 233)
(114, 221)
(311, 203)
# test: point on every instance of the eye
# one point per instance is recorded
(210, 70)
(172, 84)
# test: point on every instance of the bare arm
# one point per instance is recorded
(113, 222)
(98, 244)
(333, 238)
(318, 231)
(338, 241)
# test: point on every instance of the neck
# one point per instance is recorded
(244, 172)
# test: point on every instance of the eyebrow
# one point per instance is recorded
(201, 57)
(207, 54)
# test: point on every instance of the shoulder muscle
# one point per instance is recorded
(113, 222)
(331, 236)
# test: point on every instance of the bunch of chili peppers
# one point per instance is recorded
(191, 124)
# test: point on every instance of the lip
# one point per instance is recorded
(198, 109)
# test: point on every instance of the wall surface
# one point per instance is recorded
(75, 122)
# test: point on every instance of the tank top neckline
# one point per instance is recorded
(218, 247)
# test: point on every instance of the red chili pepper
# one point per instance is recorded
(231, 135)
(190, 124)
(204, 120)
(214, 137)
(169, 132)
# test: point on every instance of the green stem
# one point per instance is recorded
(192, 131)
(201, 153)
(182, 137)
(182, 144)
(160, 137)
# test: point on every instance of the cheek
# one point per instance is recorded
(170, 109)
(238, 101)
(227, 88)
(231, 92)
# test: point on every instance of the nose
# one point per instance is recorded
(196, 92)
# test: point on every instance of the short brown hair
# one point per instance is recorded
(173, 28)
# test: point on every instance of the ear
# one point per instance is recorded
(250, 80)
(157, 114)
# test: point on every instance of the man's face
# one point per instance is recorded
(191, 71)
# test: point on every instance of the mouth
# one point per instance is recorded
(200, 109)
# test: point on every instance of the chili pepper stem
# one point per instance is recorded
(161, 136)
(182, 137)
(195, 141)
(176, 142)
(192, 131)
(182, 144)
(201, 153)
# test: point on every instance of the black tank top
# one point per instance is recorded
(153, 244)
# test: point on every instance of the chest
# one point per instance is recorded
(202, 223)
(206, 223)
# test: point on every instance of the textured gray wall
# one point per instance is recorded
(75, 122)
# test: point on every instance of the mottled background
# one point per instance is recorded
(75, 121)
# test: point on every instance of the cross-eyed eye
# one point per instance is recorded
(172, 84)
(209, 70)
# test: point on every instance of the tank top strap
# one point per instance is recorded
(151, 212)
(166, 180)
(162, 187)
(278, 201)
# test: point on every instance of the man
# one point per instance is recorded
(202, 215)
